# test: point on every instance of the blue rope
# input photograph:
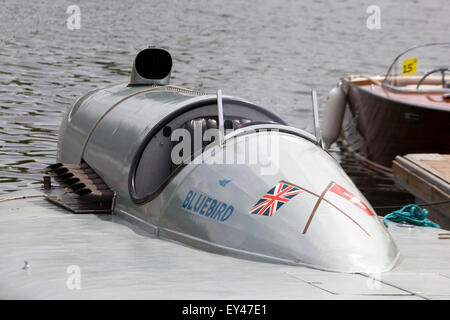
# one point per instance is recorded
(410, 214)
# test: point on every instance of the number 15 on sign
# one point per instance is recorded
(409, 66)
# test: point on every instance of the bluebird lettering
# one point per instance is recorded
(207, 206)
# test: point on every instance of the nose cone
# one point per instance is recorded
(311, 212)
(294, 206)
(342, 233)
(334, 229)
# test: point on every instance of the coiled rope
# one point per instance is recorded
(410, 214)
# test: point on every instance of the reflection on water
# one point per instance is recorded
(268, 52)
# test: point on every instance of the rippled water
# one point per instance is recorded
(268, 52)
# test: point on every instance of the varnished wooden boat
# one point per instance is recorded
(406, 111)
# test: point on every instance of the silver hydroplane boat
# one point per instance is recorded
(214, 172)
(145, 161)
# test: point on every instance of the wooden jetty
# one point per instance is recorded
(427, 177)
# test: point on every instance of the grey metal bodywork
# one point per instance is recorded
(109, 128)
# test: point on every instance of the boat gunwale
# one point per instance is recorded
(348, 81)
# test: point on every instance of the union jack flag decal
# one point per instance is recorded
(274, 199)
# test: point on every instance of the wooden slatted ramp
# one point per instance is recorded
(86, 192)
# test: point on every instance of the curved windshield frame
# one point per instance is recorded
(416, 63)
(275, 127)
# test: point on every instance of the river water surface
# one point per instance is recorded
(267, 52)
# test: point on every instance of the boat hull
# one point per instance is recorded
(377, 128)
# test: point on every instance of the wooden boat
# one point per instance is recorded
(406, 111)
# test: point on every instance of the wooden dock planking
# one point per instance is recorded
(426, 176)
(436, 164)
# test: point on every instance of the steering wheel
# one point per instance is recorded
(442, 70)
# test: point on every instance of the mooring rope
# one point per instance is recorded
(22, 197)
(410, 214)
(426, 204)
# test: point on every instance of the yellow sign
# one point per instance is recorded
(410, 66)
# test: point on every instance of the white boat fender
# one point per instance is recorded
(334, 115)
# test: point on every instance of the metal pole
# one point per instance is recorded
(220, 117)
(315, 106)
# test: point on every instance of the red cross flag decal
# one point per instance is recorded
(341, 191)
